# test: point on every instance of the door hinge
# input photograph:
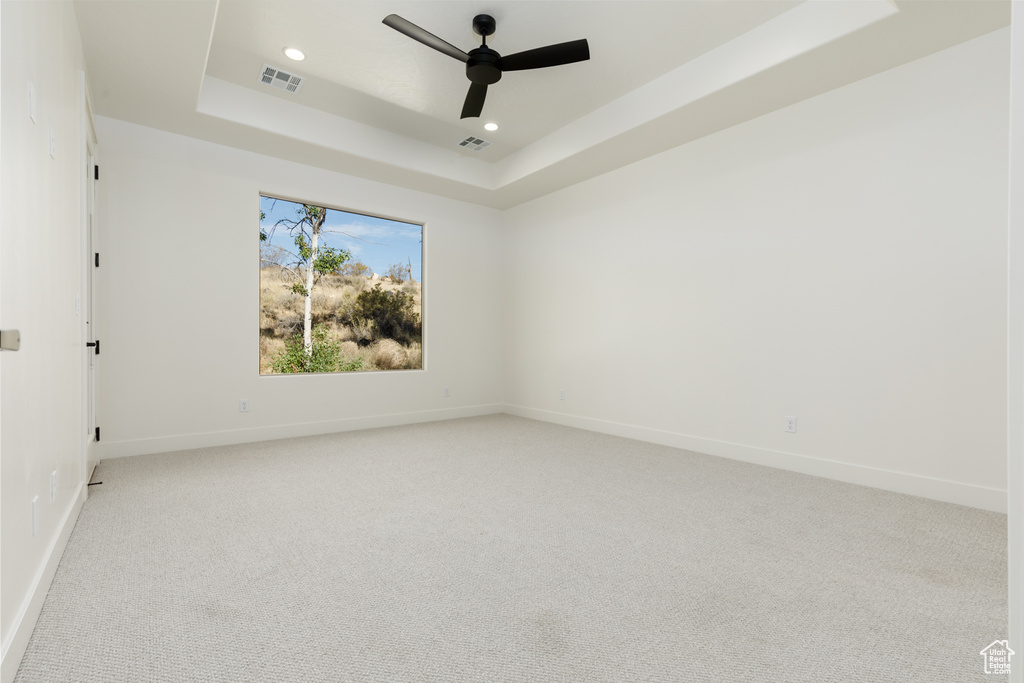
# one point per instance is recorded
(94, 344)
(97, 433)
(96, 172)
(96, 259)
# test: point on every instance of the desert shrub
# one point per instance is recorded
(268, 318)
(269, 346)
(393, 315)
(351, 364)
(362, 330)
(355, 269)
(326, 356)
(349, 348)
(414, 356)
(288, 325)
(398, 273)
(345, 305)
(387, 354)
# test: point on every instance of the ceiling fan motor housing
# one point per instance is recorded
(484, 25)
(483, 66)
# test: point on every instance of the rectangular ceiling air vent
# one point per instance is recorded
(475, 144)
(282, 80)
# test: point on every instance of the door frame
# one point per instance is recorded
(87, 297)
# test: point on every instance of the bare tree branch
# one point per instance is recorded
(356, 237)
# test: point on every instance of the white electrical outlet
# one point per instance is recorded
(243, 405)
(561, 394)
(446, 393)
(790, 423)
(53, 486)
(35, 515)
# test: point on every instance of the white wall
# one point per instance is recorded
(842, 260)
(41, 428)
(179, 295)
(1015, 355)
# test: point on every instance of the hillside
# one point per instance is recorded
(364, 327)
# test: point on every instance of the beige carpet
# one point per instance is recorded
(504, 549)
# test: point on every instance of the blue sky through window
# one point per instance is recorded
(377, 242)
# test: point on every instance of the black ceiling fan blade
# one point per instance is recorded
(474, 101)
(552, 55)
(426, 37)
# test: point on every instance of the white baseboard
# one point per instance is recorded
(24, 623)
(900, 482)
(165, 444)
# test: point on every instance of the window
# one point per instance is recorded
(339, 291)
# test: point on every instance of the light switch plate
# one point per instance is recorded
(10, 340)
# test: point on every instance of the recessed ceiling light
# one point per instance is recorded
(294, 53)
(490, 126)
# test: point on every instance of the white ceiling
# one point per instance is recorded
(368, 72)
(381, 105)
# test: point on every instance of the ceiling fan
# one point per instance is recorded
(484, 66)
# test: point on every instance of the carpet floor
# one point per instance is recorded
(503, 549)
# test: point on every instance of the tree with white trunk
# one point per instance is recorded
(312, 259)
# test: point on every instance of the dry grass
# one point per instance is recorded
(387, 354)
(281, 316)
